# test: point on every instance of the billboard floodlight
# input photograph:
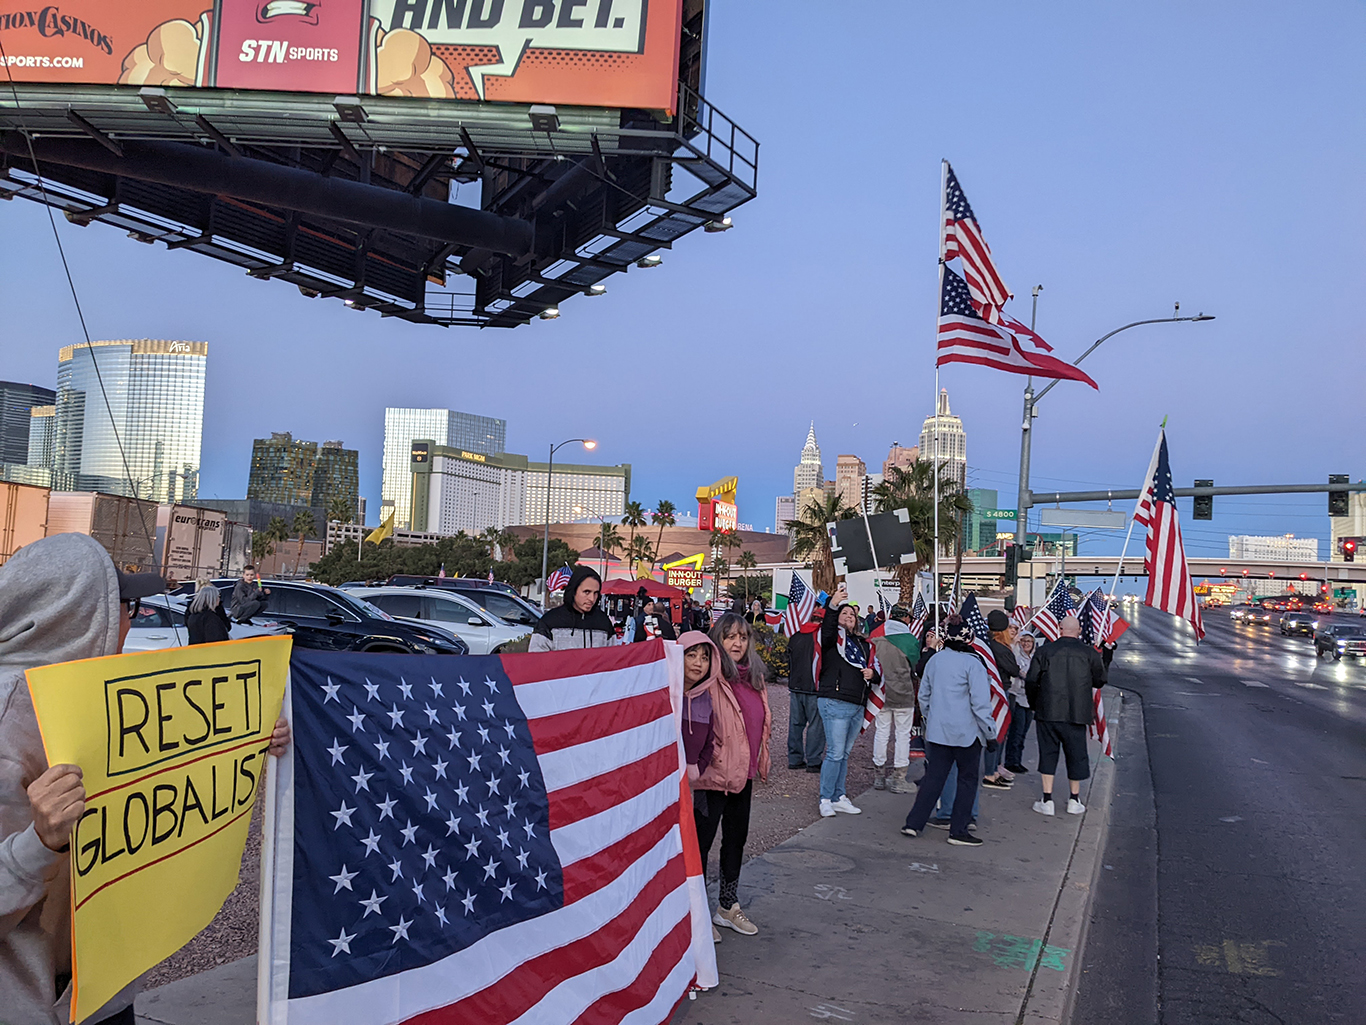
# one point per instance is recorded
(156, 100)
(712, 227)
(349, 109)
(544, 118)
(550, 313)
(646, 262)
(598, 289)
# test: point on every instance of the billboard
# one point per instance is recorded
(600, 53)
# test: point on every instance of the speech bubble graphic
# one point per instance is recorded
(515, 26)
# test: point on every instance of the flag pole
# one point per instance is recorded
(934, 409)
(1143, 490)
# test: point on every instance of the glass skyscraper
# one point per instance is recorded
(483, 435)
(16, 400)
(151, 403)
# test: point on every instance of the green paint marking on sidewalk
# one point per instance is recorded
(1020, 952)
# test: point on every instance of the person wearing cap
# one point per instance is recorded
(897, 651)
(1002, 637)
(956, 697)
(61, 599)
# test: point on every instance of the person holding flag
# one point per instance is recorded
(1059, 685)
(847, 673)
(956, 698)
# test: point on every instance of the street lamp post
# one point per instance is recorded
(1024, 501)
(545, 542)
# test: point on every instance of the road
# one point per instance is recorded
(1234, 888)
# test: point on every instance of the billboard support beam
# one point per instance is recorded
(198, 169)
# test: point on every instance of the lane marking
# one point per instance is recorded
(1253, 683)
(1238, 958)
(1232, 818)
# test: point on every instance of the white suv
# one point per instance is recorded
(484, 632)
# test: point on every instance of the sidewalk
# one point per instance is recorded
(861, 924)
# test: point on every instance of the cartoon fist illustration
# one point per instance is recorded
(406, 66)
(169, 57)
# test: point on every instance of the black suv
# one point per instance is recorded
(332, 620)
(1304, 621)
(1338, 639)
(497, 599)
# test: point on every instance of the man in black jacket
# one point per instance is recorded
(1002, 634)
(803, 716)
(1060, 685)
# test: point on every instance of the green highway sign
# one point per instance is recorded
(996, 514)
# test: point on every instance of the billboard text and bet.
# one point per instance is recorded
(605, 53)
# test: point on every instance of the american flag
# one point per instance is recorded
(964, 337)
(1060, 605)
(1170, 587)
(490, 576)
(963, 240)
(483, 839)
(981, 637)
(1099, 627)
(920, 614)
(558, 581)
(1020, 615)
(801, 605)
(854, 655)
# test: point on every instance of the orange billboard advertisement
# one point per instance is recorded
(601, 53)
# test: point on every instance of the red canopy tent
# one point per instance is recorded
(653, 588)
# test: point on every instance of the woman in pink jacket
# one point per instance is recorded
(726, 725)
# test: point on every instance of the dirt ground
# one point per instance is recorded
(783, 806)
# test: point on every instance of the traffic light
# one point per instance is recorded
(1012, 554)
(1349, 549)
(1204, 504)
(1337, 500)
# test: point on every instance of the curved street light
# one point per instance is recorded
(1024, 502)
(587, 443)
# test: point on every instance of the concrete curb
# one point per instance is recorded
(1051, 997)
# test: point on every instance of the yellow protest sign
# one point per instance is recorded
(172, 745)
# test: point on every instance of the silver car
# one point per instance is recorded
(485, 633)
(160, 623)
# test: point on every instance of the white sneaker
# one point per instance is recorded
(1043, 807)
(847, 806)
(1075, 807)
(827, 809)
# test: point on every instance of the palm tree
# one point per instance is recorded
(340, 509)
(640, 550)
(507, 541)
(263, 542)
(811, 542)
(746, 562)
(304, 526)
(635, 517)
(663, 516)
(912, 489)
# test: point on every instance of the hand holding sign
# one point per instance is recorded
(57, 798)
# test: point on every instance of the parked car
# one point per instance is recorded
(485, 633)
(330, 619)
(498, 599)
(160, 623)
(412, 580)
(1338, 639)
(1305, 622)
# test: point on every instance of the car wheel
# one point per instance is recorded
(1337, 656)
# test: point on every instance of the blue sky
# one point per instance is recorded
(1124, 157)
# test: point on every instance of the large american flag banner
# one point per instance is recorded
(981, 637)
(964, 337)
(801, 606)
(483, 840)
(1060, 605)
(963, 241)
(1170, 587)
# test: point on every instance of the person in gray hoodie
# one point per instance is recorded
(61, 599)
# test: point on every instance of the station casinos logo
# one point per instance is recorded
(52, 23)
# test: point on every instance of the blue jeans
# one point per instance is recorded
(842, 720)
(804, 716)
(1020, 718)
(946, 798)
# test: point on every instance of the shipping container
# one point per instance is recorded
(189, 542)
(236, 548)
(23, 516)
(124, 526)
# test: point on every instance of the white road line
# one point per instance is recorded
(1253, 683)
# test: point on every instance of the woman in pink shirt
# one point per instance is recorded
(727, 752)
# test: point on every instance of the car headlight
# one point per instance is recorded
(1315, 624)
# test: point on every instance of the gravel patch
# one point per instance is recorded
(783, 806)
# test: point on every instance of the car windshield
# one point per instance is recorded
(359, 605)
(1348, 631)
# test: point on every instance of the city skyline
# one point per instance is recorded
(1094, 202)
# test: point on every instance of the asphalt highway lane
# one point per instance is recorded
(1234, 888)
